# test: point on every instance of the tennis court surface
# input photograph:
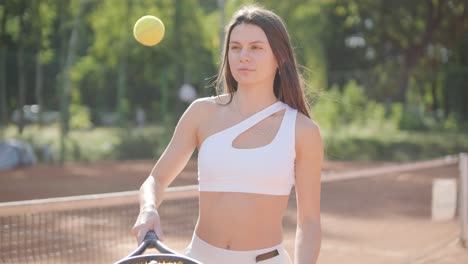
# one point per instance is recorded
(378, 219)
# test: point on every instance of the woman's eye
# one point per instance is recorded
(234, 47)
(256, 47)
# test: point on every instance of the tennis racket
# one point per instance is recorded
(167, 255)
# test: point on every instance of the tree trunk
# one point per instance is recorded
(164, 97)
(464, 99)
(180, 55)
(446, 105)
(21, 89)
(416, 50)
(66, 84)
(39, 66)
(3, 93)
(3, 76)
(122, 77)
(435, 99)
(38, 87)
(21, 77)
(403, 83)
(222, 12)
(121, 89)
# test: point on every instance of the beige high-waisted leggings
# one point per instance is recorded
(208, 254)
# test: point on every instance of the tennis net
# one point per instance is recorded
(86, 229)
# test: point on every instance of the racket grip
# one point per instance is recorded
(151, 235)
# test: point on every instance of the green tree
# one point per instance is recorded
(402, 31)
(3, 59)
(154, 74)
(44, 16)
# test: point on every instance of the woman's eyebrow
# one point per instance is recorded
(252, 42)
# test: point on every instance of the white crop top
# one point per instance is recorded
(265, 170)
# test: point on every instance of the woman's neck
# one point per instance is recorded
(250, 101)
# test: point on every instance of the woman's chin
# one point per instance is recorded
(245, 80)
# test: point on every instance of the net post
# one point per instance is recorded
(463, 202)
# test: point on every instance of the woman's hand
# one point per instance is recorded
(148, 219)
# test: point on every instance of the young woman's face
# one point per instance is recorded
(251, 59)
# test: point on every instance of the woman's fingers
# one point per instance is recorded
(147, 221)
(158, 230)
(141, 234)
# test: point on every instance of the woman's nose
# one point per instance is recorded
(244, 54)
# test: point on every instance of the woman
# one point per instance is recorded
(255, 142)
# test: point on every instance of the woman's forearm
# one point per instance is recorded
(151, 194)
(308, 242)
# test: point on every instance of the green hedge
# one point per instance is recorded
(393, 146)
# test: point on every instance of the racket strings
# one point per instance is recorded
(162, 262)
(156, 262)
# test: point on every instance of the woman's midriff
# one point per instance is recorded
(241, 221)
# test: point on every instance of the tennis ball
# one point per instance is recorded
(148, 30)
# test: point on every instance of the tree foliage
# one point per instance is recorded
(406, 51)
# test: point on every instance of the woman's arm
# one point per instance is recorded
(177, 153)
(309, 158)
(169, 165)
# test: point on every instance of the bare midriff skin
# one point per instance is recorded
(241, 221)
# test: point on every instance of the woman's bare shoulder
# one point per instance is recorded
(218, 99)
(307, 130)
(203, 107)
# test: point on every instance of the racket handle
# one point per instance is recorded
(152, 240)
(151, 235)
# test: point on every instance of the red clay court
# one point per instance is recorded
(383, 219)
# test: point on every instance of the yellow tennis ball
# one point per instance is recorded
(148, 30)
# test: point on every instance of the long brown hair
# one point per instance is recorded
(288, 83)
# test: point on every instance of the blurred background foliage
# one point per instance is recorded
(387, 80)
